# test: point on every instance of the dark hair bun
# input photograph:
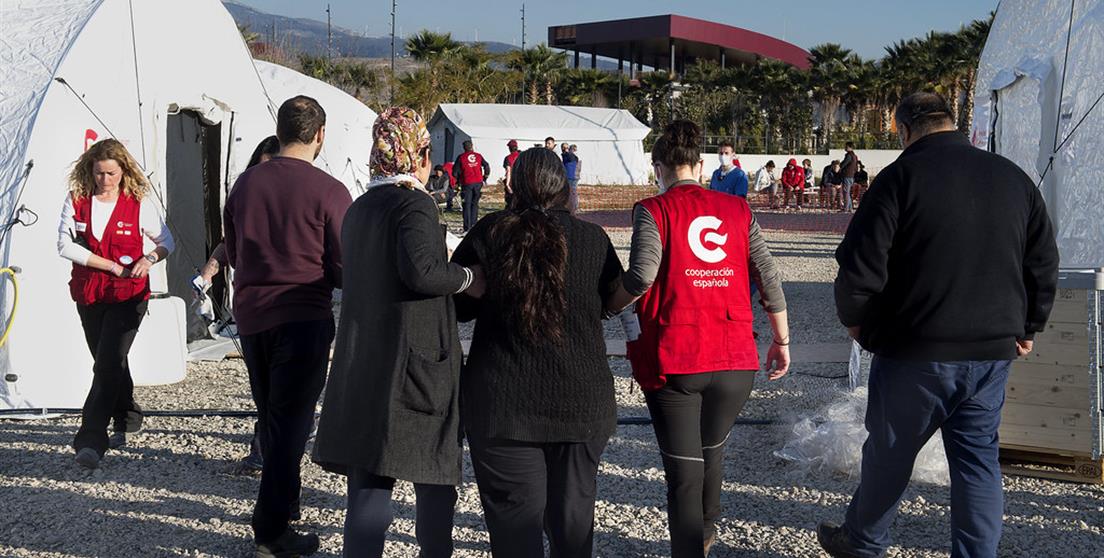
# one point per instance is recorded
(679, 145)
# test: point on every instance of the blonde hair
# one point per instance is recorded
(82, 184)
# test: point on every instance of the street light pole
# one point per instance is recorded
(329, 37)
(524, 79)
(394, 5)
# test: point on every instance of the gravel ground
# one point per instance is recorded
(167, 494)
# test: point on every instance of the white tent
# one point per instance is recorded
(348, 122)
(173, 81)
(1039, 102)
(610, 140)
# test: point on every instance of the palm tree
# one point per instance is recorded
(585, 87)
(427, 46)
(829, 75)
(541, 67)
(973, 39)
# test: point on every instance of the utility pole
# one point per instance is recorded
(329, 37)
(394, 6)
(524, 78)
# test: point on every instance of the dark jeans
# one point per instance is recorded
(692, 415)
(287, 369)
(109, 330)
(532, 489)
(469, 195)
(369, 516)
(848, 183)
(909, 401)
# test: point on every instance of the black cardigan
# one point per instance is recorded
(516, 390)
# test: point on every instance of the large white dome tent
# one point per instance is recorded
(175, 83)
(1038, 102)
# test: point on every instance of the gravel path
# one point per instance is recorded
(166, 494)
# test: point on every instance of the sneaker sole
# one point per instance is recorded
(88, 460)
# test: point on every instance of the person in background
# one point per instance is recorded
(848, 167)
(793, 183)
(570, 163)
(693, 252)
(447, 166)
(392, 406)
(471, 171)
(550, 143)
(107, 220)
(862, 182)
(538, 394)
(809, 175)
(765, 181)
(574, 204)
(253, 461)
(728, 178)
(438, 185)
(282, 222)
(830, 186)
(508, 166)
(946, 278)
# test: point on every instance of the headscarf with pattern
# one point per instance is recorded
(398, 134)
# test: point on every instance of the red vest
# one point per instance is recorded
(471, 168)
(121, 243)
(512, 157)
(697, 315)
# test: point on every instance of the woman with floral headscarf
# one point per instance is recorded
(392, 403)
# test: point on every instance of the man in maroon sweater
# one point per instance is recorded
(283, 230)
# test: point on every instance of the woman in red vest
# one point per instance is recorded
(105, 224)
(690, 337)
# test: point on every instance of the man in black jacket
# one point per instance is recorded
(947, 271)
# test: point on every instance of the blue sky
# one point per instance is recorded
(865, 26)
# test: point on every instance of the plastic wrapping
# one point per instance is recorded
(831, 439)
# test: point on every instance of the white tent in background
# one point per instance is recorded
(175, 83)
(1040, 103)
(348, 122)
(610, 140)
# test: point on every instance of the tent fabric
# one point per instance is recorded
(348, 144)
(610, 140)
(1021, 101)
(74, 72)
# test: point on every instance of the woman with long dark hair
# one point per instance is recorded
(693, 352)
(538, 398)
(107, 221)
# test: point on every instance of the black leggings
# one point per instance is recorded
(109, 330)
(692, 416)
(369, 516)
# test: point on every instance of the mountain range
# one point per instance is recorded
(309, 36)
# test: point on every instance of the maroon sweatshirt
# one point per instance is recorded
(282, 223)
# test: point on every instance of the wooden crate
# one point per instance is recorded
(1051, 423)
(1032, 462)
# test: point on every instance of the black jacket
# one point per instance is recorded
(951, 256)
(518, 390)
(392, 400)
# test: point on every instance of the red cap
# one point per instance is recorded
(511, 143)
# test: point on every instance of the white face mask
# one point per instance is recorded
(726, 159)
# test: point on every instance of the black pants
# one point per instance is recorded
(369, 516)
(532, 489)
(692, 416)
(287, 369)
(469, 195)
(109, 330)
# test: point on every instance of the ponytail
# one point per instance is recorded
(528, 259)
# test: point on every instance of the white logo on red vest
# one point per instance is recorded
(708, 225)
(471, 158)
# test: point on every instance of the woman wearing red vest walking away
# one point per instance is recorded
(694, 354)
(105, 222)
(538, 399)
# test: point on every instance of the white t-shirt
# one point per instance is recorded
(150, 221)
